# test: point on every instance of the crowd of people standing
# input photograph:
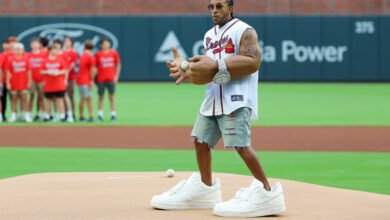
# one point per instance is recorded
(43, 80)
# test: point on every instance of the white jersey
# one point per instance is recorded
(222, 43)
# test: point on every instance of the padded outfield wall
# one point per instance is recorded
(295, 48)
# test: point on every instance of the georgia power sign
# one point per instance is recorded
(78, 32)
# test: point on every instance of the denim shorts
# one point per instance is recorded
(234, 129)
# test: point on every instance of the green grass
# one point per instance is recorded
(283, 104)
(358, 171)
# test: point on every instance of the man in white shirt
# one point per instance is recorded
(230, 70)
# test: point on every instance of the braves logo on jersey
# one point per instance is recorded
(226, 43)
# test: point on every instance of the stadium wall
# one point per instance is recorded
(142, 7)
(295, 48)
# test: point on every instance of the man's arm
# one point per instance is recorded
(118, 72)
(1, 75)
(8, 79)
(249, 59)
(203, 68)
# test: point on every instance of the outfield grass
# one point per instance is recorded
(359, 171)
(283, 104)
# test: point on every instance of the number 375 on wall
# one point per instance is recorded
(364, 27)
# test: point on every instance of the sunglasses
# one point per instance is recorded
(217, 6)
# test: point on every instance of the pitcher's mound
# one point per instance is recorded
(127, 196)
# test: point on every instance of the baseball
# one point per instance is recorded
(170, 173)
(184, 65)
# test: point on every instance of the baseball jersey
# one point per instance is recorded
(71, 57)
(18, 69)
(36, 60)
(107, 65)
(222, 43)
(87, 61)
(54, 83)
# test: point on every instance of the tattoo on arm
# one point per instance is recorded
(249, 45)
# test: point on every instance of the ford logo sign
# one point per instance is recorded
(78, 32)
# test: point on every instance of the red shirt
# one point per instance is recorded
(54, 83)
(87, 61)
(71, 57)
(36, 60)
(3, 63)
(19, 70)
(107, 65)
(45, 53)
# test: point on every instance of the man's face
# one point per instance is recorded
(58, 47)
(18, 51)
(68, 43)
(220, 11)
(35, 45)
(106, 45)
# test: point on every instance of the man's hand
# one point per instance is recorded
(203, 69)
(9, 86)
(174, 67)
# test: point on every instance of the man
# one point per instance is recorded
(58, 44)
(230, 70)
(36, 57)
(54, 70)
(3, 88)
(71, 57)
(108, 71)
(84, 80)
(7, 52)
(18, 76)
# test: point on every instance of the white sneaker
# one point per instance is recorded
(12, 118)
(70, 119)
(254, 201)
(28, 118)
(189, 194)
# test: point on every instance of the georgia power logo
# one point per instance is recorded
(78, 32)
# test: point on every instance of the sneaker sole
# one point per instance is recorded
(184, 206)
(264, 211)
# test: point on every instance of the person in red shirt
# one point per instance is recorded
(36, 57)
(54, 70)
(2, 78)
(84, 80)
(108, 72)
(18, 81)
(61, 54)
(71, 57)
(7, 52)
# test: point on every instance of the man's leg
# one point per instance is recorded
(32, 91)
(101, 89)
(206, 135)
(71, 95)
(249, 156)
(4, 102)
(111, 90)
(236, 132)
(203, 156)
